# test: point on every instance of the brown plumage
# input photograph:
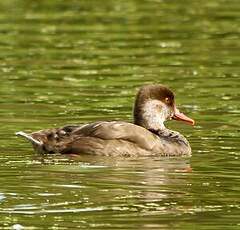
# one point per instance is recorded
(147, 136)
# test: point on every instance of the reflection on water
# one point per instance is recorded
(65, 62)
(126, 186)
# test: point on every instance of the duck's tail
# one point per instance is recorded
(34, 142)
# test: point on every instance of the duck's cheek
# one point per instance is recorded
(168, 114)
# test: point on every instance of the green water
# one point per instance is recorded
(64, 62)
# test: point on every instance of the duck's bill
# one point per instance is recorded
(182, 117)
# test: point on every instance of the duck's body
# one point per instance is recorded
(148, 136)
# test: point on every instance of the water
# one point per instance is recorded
(65, 62)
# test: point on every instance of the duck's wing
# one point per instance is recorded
(99, 137)
(118, 130)
(112, 138)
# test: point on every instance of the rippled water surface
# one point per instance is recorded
(65, 62)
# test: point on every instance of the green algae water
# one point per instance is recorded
(72, 62)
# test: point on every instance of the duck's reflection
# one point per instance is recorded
(111, 189)
(150, 178)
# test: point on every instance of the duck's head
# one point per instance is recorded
(155, 104)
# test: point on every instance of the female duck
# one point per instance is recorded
(154, 104)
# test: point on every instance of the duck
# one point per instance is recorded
(146, 136)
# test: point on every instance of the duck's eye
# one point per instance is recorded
(167, 100)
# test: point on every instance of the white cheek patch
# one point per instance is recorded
(155, 113)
